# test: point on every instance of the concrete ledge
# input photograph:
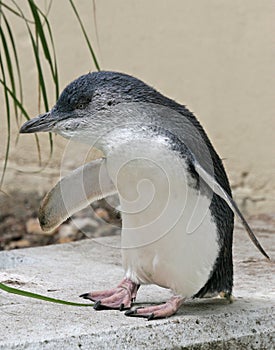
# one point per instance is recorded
(65, 271)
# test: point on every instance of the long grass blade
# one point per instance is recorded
(18, 103)
(42, 36)
(40, 31)
(48, 8)
(52, 62)
(95, 24)
(7, 104)
(9, 65)
(41, 79)
(18, 14)
(27, 294)
(8, 91)
(16, 60)
(85, 35)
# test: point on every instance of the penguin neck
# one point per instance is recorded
(129, 138)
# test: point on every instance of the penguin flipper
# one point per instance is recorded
(217, 188)
(74, 192)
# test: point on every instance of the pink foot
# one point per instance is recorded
(120, 297)
(157, 311)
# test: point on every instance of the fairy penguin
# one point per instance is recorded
(175, 198)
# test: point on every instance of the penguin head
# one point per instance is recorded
(88, 104)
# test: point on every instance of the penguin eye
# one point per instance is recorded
(82, 104)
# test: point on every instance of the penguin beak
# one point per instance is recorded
(44, 122)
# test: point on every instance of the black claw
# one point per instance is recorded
(97, 305)
(121, 308)
(130, 312)
(85, 296)
(133, 313)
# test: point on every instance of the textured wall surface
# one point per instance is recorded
(216, 57)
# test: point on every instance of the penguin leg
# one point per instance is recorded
(120, 297)
(158, 311)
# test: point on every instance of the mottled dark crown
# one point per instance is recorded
(112, 86)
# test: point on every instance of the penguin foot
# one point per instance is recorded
(119, 298)
(157, 311)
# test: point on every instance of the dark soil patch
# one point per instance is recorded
(19, 227)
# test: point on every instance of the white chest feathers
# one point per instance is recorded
(168, 235)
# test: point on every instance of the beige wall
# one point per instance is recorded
(214, 56)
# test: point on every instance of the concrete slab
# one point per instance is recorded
(65, 271)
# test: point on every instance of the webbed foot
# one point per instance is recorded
(119, 298)
(157, 311)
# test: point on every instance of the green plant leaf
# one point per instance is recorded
(8, 91)
(41, 35)
(24, 293)
(15, 55)
(18, 14)
(7, 104)
(35, 48)
(18, 103)
(85, 35)
(8, 64)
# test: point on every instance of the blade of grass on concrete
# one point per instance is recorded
(27, 294)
